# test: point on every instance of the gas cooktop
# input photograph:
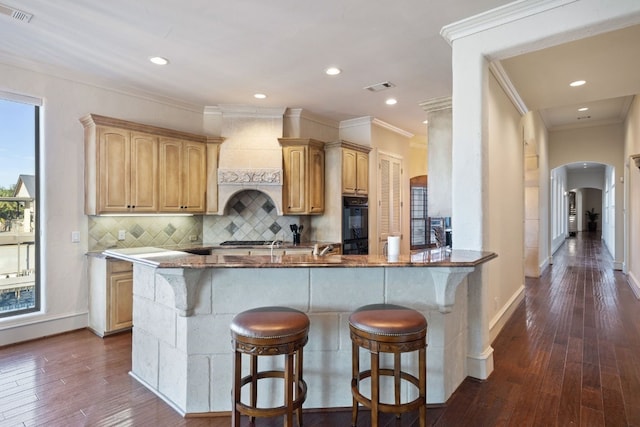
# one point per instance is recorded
(245, 243)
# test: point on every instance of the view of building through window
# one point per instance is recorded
(19, 291)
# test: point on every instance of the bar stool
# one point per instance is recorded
(388, 328)
(269, 331)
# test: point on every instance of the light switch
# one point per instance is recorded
(75, 237)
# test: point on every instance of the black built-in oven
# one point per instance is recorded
(355, 225)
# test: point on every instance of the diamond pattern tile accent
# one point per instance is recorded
(169, 229)
(275, 228)
(137, 231)
(268, 206)
(231, 228)
(239, 207)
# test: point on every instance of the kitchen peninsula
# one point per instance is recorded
(184, 303)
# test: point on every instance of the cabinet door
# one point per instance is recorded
(114, 177)
(170, 175)
(349, 178)
(119, 295)
(362, 173)
(144, 173)
(194, 173)
(316, 180)
(295, 179)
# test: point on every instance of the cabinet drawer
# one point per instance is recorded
(117, 266)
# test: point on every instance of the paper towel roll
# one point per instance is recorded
(393, 247)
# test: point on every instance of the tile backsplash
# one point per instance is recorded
(250, 215)
(143, 231)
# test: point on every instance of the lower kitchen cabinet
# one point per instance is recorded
(120, 295)
(110, 295)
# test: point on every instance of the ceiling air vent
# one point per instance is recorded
(15, 13)
(583, 117)
(380, 86)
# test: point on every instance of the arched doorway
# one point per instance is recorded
(583, 193)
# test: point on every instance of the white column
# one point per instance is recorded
(439, 153)
(470, 192)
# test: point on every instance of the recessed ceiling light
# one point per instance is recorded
(159, 60)
(333, 71)
(577, 83)
(391, 101)
(259, 96)
(583, 109)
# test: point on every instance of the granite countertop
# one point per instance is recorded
(188, 248)
(170, 258)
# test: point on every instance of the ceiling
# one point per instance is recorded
(608, 62)
(223, 52)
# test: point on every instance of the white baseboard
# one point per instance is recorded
(480, 366)
(40, 326)
(634, 284)
(500, 319)
(545, 263)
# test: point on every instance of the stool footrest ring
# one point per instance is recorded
(384, 407)
(301, 396)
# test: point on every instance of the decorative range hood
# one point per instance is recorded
(251, 156)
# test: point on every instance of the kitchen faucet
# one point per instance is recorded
(275, 242)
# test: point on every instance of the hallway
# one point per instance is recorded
(570, 355)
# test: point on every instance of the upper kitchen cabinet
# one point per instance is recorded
(303, 188)
(355, 170)
(183, 169)
(126, 172)
(136, 168)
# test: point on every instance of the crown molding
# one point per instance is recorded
(236, 110)
(499, 16)
(369, 120)
(300, 113)
(437, 104)
(392, 128)
(504, 81)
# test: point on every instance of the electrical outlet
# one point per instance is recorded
(122, 234)
(75, 237)
(193, 238)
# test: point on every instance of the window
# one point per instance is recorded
(419, 226)
(19, 255)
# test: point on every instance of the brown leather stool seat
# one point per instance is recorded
(388, 328)
(269, 331)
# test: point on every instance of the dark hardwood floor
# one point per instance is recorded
(570, 355)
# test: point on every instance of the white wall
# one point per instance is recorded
(505, 207)
(536, 183)
(63, 267)
(632, 203)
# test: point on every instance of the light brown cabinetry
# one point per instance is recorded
(127, 171)
(110, 295)
(355, 172)
(136, 168)
(303, 189)
(182, 176)
(119, 295)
